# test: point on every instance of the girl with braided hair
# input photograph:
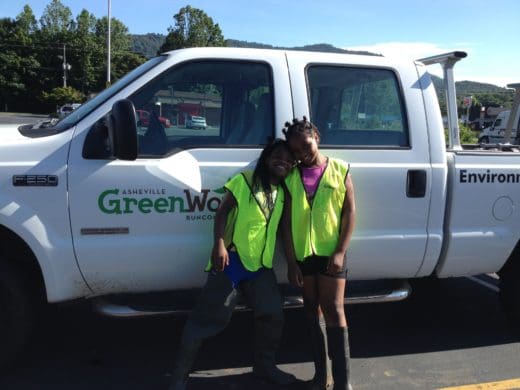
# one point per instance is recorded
(319, 218)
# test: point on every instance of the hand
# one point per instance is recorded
(219, 256)
(336, 261)
(294, 274)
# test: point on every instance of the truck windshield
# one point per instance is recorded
(90, 105)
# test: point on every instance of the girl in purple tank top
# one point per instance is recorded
(322, 273)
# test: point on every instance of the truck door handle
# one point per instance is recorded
(416, 183)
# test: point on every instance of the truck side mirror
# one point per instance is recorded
(122, 130)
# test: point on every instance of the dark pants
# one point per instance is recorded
(214, 309)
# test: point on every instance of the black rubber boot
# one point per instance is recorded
(209, 317)
(268, 333)
(339, 353)
(322, 366)
(264, 297)
(186, 355)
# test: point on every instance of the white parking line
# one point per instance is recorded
(483, 283)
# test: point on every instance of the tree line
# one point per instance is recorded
(33, 54)
(37, 57)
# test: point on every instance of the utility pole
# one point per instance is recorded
(65, 66)
(108, 46)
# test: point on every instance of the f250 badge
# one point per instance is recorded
(35, 180)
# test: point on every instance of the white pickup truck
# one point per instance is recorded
(497, 131)
(97, 207)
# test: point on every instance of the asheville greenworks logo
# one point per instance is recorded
(152, 200)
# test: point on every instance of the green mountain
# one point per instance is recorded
(149, 44)
(146, 44)
(467, 88)
(321, 47)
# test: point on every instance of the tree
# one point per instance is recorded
(18, 65)
(193, 28)
(31, 56)
(26, 27)
(56, 26)
(56, 18)
(120, 44)
(61, 95)
(124, 62)
(84, 72)
(26, 24)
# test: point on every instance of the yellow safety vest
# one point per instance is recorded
(253, 230)
(316, 227)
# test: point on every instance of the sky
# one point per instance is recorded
(488, 31)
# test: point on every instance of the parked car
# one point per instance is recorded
(196, 122)
(66, 109)
(143, 117)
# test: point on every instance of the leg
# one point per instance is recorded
(316, 325)
(331, 298)
(210, 316)
(263, 295)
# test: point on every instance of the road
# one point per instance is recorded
(15, 118)
(450, 334)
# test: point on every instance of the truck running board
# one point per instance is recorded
(180, 303)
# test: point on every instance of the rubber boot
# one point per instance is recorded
(186, 355)
(339, 353)
(209, 317)
(268, 333)
(322, 366)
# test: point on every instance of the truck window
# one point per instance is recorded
(357, 107)
(205, 104)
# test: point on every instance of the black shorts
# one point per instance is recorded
(314, 265)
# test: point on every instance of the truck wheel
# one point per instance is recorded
(510, 291)
(17, 313)
(484, 140)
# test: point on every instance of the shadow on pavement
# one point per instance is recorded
(76, 349)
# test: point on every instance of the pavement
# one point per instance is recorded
(20, 118)
(447, 336)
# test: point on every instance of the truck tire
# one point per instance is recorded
(510, 291)
(484, 140)
(17, 314)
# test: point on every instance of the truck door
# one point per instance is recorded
(147, 224)
(362, 117)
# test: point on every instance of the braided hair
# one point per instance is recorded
(299, 127)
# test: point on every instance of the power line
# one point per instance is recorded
(60, 47)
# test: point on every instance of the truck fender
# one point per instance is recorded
(52, 252)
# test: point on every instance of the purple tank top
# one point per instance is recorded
(311, 178)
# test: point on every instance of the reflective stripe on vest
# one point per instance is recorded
(315, 227)
(254, 234)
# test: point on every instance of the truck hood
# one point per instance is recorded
(15, 147)
(10, 133)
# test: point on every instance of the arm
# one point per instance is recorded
(348, 220)
(293, 271)
(219, 253)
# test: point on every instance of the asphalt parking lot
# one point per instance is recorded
(15, 118)
(449, 335)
